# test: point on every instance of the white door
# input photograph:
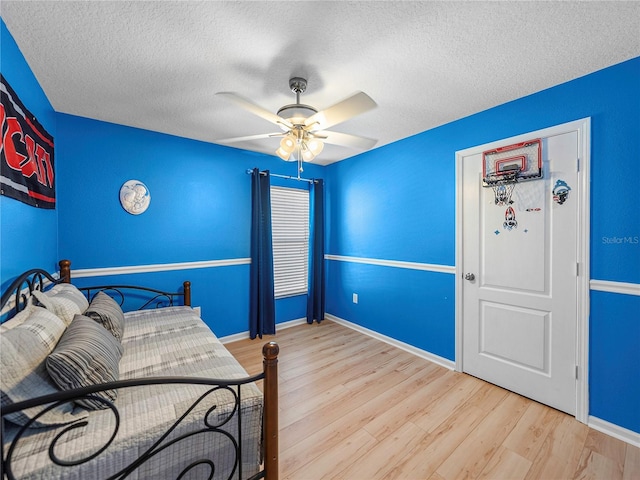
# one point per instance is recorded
(520, 303)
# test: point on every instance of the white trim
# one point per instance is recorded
(613, 430)
(615, 287)
(279, 326)
(165, 267)
(394, 263)
(583, 127)
(584, 274)
(458, 310)
(161, 267)
(443, 362)
(235, 337)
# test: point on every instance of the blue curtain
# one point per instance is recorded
(262, 307)
(315, 298)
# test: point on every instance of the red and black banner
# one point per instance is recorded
(26, 153)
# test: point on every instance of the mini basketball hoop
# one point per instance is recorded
(503, 167)
(502, 185)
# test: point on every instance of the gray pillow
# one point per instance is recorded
(86, 355)
(63, 299)
(106, 311)
(23, 371)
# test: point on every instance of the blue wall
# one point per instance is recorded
(398, 203)
(28, 235)
(614, 359)
(200, 211)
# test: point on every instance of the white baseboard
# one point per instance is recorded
(244, 335)
(616, 431)
(291, 323)
(396, 343)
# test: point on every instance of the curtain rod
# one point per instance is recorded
(288, 177)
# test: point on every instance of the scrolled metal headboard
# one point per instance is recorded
(22, 288)
(16, 297)
(152, 299)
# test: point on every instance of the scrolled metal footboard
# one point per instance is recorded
(207, 425)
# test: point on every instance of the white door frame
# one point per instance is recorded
(583, 127)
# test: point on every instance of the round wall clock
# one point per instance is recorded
(134, 197)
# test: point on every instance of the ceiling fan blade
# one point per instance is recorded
(345, 139)
(350, 107)
(250, 137)
(255, 109)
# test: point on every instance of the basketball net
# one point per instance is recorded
(502, 185)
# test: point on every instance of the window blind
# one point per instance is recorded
(290, 231)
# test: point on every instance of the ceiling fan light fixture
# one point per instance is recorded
(315, 145)
(283, 154)
(288, 143)
(307, 155)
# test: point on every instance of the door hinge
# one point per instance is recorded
(577, 269)
(577, 370)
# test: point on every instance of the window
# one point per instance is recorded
(290, 231)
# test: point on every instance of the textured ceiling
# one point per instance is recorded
(157, 64)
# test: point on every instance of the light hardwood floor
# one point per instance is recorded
(352, 407)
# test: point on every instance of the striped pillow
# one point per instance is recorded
(86, 355)
(106, 311)
(23, 372)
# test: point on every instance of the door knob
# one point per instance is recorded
(470, 276)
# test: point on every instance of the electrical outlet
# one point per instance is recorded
(355, 298)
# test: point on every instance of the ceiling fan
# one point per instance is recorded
(304, 127)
